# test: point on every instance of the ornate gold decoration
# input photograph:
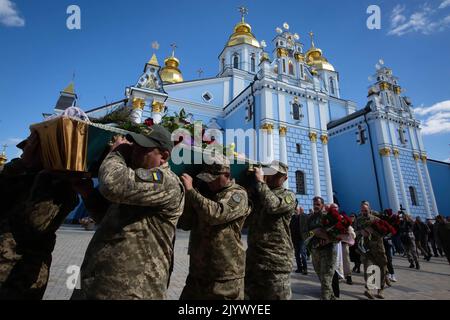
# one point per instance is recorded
(416, 156)
(283, 131)
(170, 73)
(324, 139)
(265, 57)
(315, 58)
(313, 137)
(157, 106)
(385, 152)
(398, 90)
(299, 57)
(70, 88)
(138, 103)
(384, 86)
(243, 33)
(395, 152)
(424, 158)
(268, 127)
(282, 52)
(153, 61)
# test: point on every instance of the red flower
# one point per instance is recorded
(149, 122)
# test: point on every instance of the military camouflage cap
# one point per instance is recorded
(155, 136)
(275, 167)
(214, 166)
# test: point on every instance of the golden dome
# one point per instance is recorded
(243, 35)
(170, 72)
(3, 159)
(315, 58)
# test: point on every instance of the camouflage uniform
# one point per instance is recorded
(217, 255)
(376, 254)
(34, 205)
(270, 251)
(409, 242)
(323, 258)
(131, 253)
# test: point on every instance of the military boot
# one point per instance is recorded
(369, 295)
(380, 294)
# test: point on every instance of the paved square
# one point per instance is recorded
(432, 282)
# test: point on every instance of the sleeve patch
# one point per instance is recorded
(289, 199)
(235, 200)
(149, 175)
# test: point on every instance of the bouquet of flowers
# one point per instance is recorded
(335, 225)
(383, 228)
(392, 219)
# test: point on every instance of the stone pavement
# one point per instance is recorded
(430, 283)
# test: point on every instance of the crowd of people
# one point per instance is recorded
(409, 238)
(140, 202)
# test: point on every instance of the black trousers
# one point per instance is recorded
(388, 249)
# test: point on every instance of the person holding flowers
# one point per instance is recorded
(371, 230)
(326, 227)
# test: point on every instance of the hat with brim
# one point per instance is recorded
(207, 177)
(142, 140)
(155, 136)
(274, 168)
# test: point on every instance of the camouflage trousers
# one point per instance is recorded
(23, 275)
(267, 285)
(324, 262)
(376, 255)
(411, 251)
(203, 289)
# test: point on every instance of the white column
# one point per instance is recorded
(266, 145)
(270, 154)
(389, 177)
(138, 108)
(315, 164)
(422, 185)
(324, 139)
(405, 201)
(430, 186)
(157, 110)
(283, 150)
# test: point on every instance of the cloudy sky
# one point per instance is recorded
(39, 54)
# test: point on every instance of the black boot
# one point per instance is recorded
(411, 264)
(335, 285)
(417, 265)
(349, 280)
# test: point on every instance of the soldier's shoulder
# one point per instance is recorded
(236, 188)
(154, 175)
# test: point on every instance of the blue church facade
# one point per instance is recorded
(291, 101)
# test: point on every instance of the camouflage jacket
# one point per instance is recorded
(269, 239)
(34, 205)
(215, 247)
(363, 222)
(131, 253)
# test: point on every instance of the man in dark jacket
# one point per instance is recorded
(299, 228)
(443, 233)
(421, 232)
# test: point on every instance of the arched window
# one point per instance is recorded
(253, 63)
(413, 195)
(291, 68)
(236, 62)
(301, 72)
(300, 182)
(284, 66)
(296, 111)
(332, 86)
(223, 64)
